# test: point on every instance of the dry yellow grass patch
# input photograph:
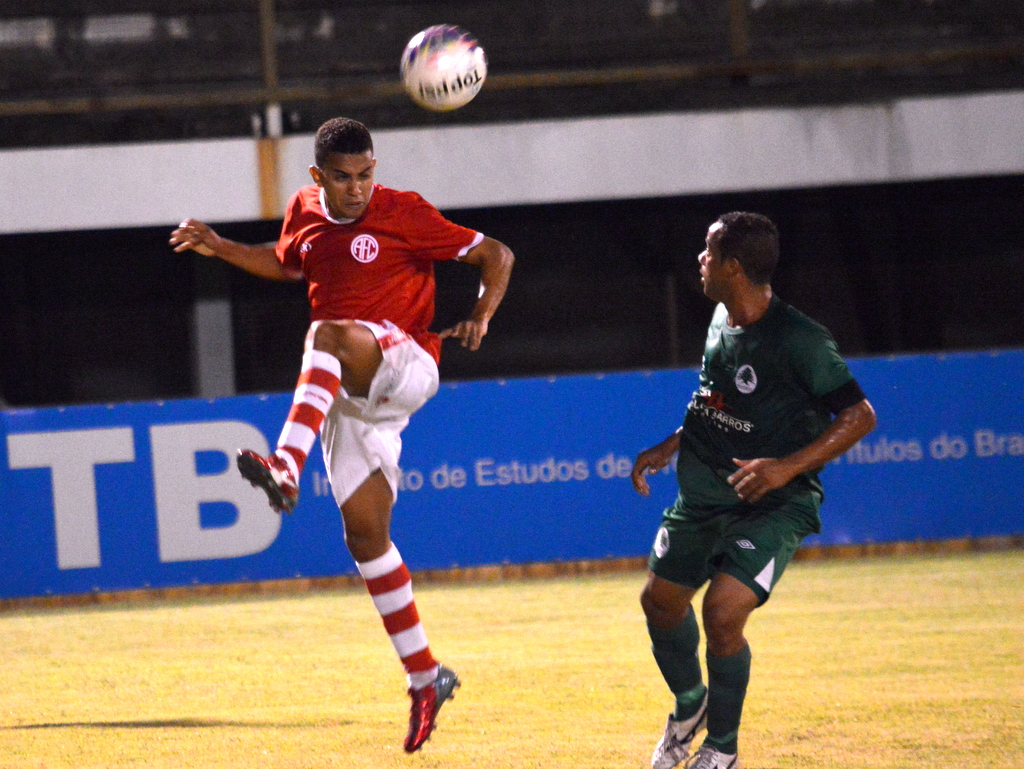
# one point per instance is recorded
(902, 662)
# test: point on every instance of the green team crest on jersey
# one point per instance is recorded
(746, 379)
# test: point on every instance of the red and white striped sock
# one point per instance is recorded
(317, 387)
(390, 586)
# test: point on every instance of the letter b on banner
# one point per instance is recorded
(180, 490)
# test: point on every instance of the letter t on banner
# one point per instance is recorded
(180, 489)
(71, 456)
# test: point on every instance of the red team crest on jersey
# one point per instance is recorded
(365, 248)
(378, 268)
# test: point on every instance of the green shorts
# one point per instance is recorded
(754, 544)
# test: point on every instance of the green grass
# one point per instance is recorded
(897, 662)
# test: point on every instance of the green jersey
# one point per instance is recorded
(761, 394)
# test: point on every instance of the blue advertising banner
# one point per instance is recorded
(947, 457)
(128, 496)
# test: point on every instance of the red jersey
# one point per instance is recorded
(378, 267)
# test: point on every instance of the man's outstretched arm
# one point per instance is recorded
(260, 260)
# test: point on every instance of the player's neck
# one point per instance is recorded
(748, 305)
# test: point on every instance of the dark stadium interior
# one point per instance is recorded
(134, 70)
(924, 267)
(105, 316)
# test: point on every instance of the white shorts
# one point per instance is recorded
(362, 435)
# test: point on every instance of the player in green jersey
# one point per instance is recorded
(776, 403)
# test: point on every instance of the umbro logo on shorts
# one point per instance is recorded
(746, 544)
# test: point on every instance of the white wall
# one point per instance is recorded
(127, 185)
(533, 162)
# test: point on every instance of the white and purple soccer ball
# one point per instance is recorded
(443, 67)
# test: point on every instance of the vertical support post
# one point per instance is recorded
(268, 44)
(268, 160)
(268, 144)
(213, 345)
(739, 32)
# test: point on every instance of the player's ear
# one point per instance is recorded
(317, 174)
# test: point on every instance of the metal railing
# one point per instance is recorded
(733, 42)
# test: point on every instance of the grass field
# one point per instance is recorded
(894, 662)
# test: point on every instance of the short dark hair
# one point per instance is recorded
(753, 241)
(341, 136)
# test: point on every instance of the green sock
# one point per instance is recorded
(675, 651)
(727, 687)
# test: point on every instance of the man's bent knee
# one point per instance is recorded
(339, 336)
(726, 608)
(665, 603)
(367, 518)
(355, 347)
(365, 546)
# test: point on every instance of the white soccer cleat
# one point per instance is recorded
(674, 746)
(708, 757)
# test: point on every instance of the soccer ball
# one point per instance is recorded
(443, 67)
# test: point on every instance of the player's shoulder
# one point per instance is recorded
(794, 320)
(307, 194)
(306, 198)
(797, 331)
(389, 199)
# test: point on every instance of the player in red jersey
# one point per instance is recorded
(370, 361)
